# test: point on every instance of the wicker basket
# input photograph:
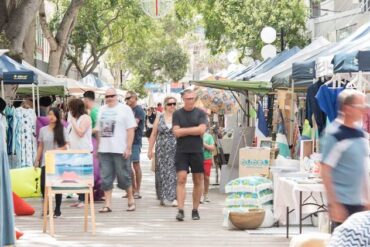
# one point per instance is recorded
(248, 220)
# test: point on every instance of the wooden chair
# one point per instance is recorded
(50, 192)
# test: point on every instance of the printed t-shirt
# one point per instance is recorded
(112, 125)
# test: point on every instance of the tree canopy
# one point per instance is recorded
(237, 24)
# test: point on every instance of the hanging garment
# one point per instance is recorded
(9, 113)
(24, 136)
(313, 108)
(327, 99)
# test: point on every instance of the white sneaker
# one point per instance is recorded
(174, 203)
(205, 198)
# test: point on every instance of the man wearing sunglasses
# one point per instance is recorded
(131, 101)
(116, 128)
(345, 159)
(189, 125)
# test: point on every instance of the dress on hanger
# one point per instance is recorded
(24, 141)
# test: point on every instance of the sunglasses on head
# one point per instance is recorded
(110, 96)
(171, 104)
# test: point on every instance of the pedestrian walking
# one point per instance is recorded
(165, 150)
(149, 122)
(189, 125)
(131, 100)
(209, 147)
(79, 134)
(51, 137)
(345, 159)
(93, 110)
(116, 128)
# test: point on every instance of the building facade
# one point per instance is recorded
(336, 19)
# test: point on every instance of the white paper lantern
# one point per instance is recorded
(268, 35)
(268, 51)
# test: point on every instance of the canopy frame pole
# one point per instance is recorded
(291, 120)
(237, 100)
(38, 100)
(2, 90)
(33, 96)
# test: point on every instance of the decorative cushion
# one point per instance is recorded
(26, 182)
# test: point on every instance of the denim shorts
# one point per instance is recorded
(114, 165)
(136, 150)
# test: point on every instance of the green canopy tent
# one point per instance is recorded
(237, 86)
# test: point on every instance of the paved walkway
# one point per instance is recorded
(149, 225)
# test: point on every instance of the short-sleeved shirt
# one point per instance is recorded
(208, 139)
(94, 116)
(187, 119)
(112, 125)
(46, 137)
(346, 151)
(139, 114)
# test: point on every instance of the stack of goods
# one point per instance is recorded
(247, 193)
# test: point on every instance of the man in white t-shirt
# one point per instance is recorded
(116, 128)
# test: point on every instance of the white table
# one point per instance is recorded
(292, 194)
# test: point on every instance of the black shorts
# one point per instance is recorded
(193, 160)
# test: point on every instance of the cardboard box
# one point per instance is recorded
(254, 161)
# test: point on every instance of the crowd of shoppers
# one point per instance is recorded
(113, 135)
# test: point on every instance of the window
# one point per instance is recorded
(345, 32)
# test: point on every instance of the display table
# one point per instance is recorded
(300, 195)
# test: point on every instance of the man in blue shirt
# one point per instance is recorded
(131, 100)
(345, 157)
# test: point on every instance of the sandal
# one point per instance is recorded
(125, 196)
(105, 210)
(131, 207)
(137, 196)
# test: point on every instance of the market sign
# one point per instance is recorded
(19, 77)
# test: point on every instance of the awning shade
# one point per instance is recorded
(19, 77)
(345, 62)
(13, 72)
(364, 60)
(303, 70)
(258, 87)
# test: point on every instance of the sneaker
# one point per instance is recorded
(180, 215)
(57, 214)
(195, 214)
(174, 203)
(206, 198)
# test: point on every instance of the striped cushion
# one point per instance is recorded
(354, 232)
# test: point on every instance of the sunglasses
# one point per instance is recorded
(128, 98)
(171, 104)
(110, 96)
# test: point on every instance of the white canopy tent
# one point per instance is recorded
(316, 47)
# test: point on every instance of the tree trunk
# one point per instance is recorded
(29, 44)
(54, 61)
(19, 23)
(3, 14)
(58, 44)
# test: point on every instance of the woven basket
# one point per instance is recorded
(248, 220)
